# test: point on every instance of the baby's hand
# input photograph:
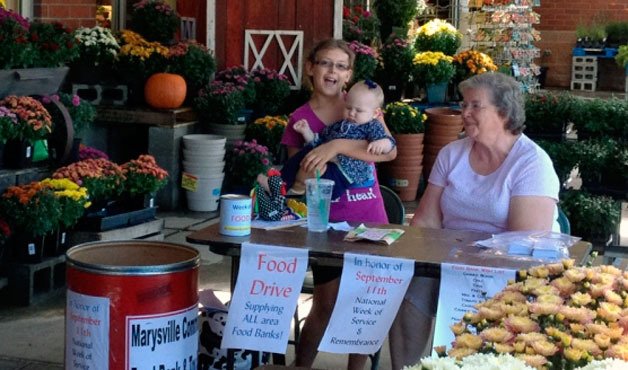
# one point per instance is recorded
(301, 126)
(380, 146)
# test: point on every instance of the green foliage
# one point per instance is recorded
(617, 33)
(593, 158)
(591, 217)
(219, 102)
(395, 14)
(194, 62)
(548, 113)
(622, 56)
(402, 118)
(155, 20)
(600, 117)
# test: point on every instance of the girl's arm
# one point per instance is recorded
(319, 156)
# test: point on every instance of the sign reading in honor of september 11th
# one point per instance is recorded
(461, 288)
(265, 297)
(371, 290)
(86, 332)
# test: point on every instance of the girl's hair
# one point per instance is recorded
(326, 45)
(331, 44)
(505, 94)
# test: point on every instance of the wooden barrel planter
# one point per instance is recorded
(403, 174)
(443, 126)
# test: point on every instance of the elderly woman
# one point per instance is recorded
(495, 179)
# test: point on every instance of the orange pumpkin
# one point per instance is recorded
(165, 91)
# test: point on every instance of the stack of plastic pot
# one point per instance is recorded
(204, 163)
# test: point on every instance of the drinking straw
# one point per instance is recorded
(321, 202)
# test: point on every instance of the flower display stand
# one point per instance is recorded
(148, 230)
(119, 129)
(30, 283)
(31, 81)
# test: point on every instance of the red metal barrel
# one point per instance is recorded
(131, 305)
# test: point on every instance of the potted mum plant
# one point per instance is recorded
(548, 115)
(98, 49)
(241, 78)
(406, 124)
(244, 162)
(365, 61)
(395, 70)
(82, 114)
(34, 123)
(219, 106)
(155, 20)
(102, 178)
(73, 200)
(434, 70)
(33, 211)
(359, 24)
(268, 131)
(395, 15)
(438, 35)
(143, 178)
(33, 55)
(194, 62)
(271, 90)
(137, 60)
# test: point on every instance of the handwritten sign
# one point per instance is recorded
(371, 290)
(265, 297)
(86, 331)
(461, 288)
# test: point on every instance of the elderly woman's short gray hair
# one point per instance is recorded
(505, 94)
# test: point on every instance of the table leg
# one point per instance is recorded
(235, 267)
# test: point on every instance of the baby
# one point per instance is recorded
(363, 106)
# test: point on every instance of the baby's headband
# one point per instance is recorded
(370, 84)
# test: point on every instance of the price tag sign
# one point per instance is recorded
(188, 181)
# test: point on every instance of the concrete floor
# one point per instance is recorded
(32, 338)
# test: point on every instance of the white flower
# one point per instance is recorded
(607, 364)
(434, 363)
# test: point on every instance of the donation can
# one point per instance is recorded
(132, 305)
(235, 214)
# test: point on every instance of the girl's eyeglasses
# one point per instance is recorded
(329, 64)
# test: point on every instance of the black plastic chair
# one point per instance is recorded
(563, 222)
(395, 210)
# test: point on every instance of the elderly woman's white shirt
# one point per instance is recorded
(476, 202)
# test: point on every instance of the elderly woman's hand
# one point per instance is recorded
(318, 157)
